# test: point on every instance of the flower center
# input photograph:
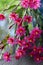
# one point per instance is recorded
(34, 49)
(31, 55)
(20, 31)
(39, 51)
(36, 32)
(37, 59)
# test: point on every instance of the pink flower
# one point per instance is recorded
(24, 3)
(26, 45)
(34, 49)
(13, 16)
(6, 56)
(20, 31)
(40, 50)
(31, 54)
(19, 53)
(34, 4)
(34, 52)
(27, 18)
(18, 21)
(37, 58)
(31, 39)
(11, 41)
(36, 32)
(2, 17)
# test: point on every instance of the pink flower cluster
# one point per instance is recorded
(37, 53)
(18, 20)
(27, 46)
(26, 43)
(15, 18)
(34, 4)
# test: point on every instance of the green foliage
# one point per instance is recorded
(7, 4)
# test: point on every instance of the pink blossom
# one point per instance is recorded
(26, 45)
(13, 16)
(6, 56)
(2, 17)
(11, 41)
(40, 50)
(36, 32)
(18, 21)
(27, 18)
(19, 53)
(34, 4)
(31, 54)
(20, 31)
(37, 58)
(31, 39)
(24, 3)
